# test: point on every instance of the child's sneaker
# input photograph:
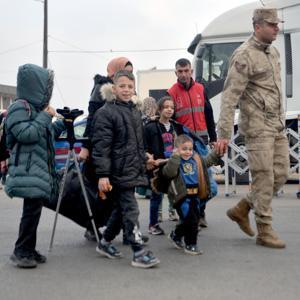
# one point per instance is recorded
(156, 230)
(26, 262)
(173, 216)
(177, 243)
(145, 260)
(193, 250)
(108, 250)
(39, 258)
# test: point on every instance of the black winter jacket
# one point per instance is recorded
(96, 102)
(153, 140)
(117, 144)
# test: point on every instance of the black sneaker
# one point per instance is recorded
(156, 230)
(108, 250)
(145, 260)
(177, 243)
(26, 262)
(39, 258)
(192, 250)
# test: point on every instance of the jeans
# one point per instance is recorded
(155, 202)
(189, 214)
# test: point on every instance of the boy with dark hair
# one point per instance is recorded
(189, 188)
(119, 158)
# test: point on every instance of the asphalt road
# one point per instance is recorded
(232, 266)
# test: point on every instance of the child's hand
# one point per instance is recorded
(150, 162)
(176, 151)
(84, 154)
(159, 161)
(104, 185)
(50, 110)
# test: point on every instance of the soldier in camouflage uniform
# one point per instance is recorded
(254, 84)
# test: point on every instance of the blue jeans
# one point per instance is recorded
(155, 201)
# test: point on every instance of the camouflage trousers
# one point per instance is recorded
(268, 158)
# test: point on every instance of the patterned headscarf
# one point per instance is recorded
(149, 107)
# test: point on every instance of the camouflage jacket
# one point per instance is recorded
(254, 84)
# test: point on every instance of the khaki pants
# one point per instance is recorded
(268, 158)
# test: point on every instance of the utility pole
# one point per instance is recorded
(45, 44)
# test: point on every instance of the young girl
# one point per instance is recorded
(159, 137)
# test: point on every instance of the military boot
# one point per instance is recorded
(239, 214)
(267, 237)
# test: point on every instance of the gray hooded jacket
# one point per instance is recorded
(30, 136)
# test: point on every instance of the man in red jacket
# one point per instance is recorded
(192, 108)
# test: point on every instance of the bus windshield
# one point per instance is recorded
(212, 61)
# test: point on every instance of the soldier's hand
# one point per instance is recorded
(221, 146)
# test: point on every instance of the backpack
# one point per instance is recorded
(159, 183)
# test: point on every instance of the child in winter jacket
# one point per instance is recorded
(31, 170)
(119, 158)
(159, 137)
(189, 188)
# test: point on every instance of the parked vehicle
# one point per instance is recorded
(62, 147)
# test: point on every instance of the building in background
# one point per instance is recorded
(154, 83)
(7, 95)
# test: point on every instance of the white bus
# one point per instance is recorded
(212, 49)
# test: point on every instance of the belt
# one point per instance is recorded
(192, 191)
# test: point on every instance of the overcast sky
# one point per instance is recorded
(98, 25)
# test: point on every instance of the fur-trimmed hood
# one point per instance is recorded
(107, 94)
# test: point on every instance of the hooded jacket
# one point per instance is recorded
(117, 142)
(30, 136)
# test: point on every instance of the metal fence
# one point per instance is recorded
(236, 161)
